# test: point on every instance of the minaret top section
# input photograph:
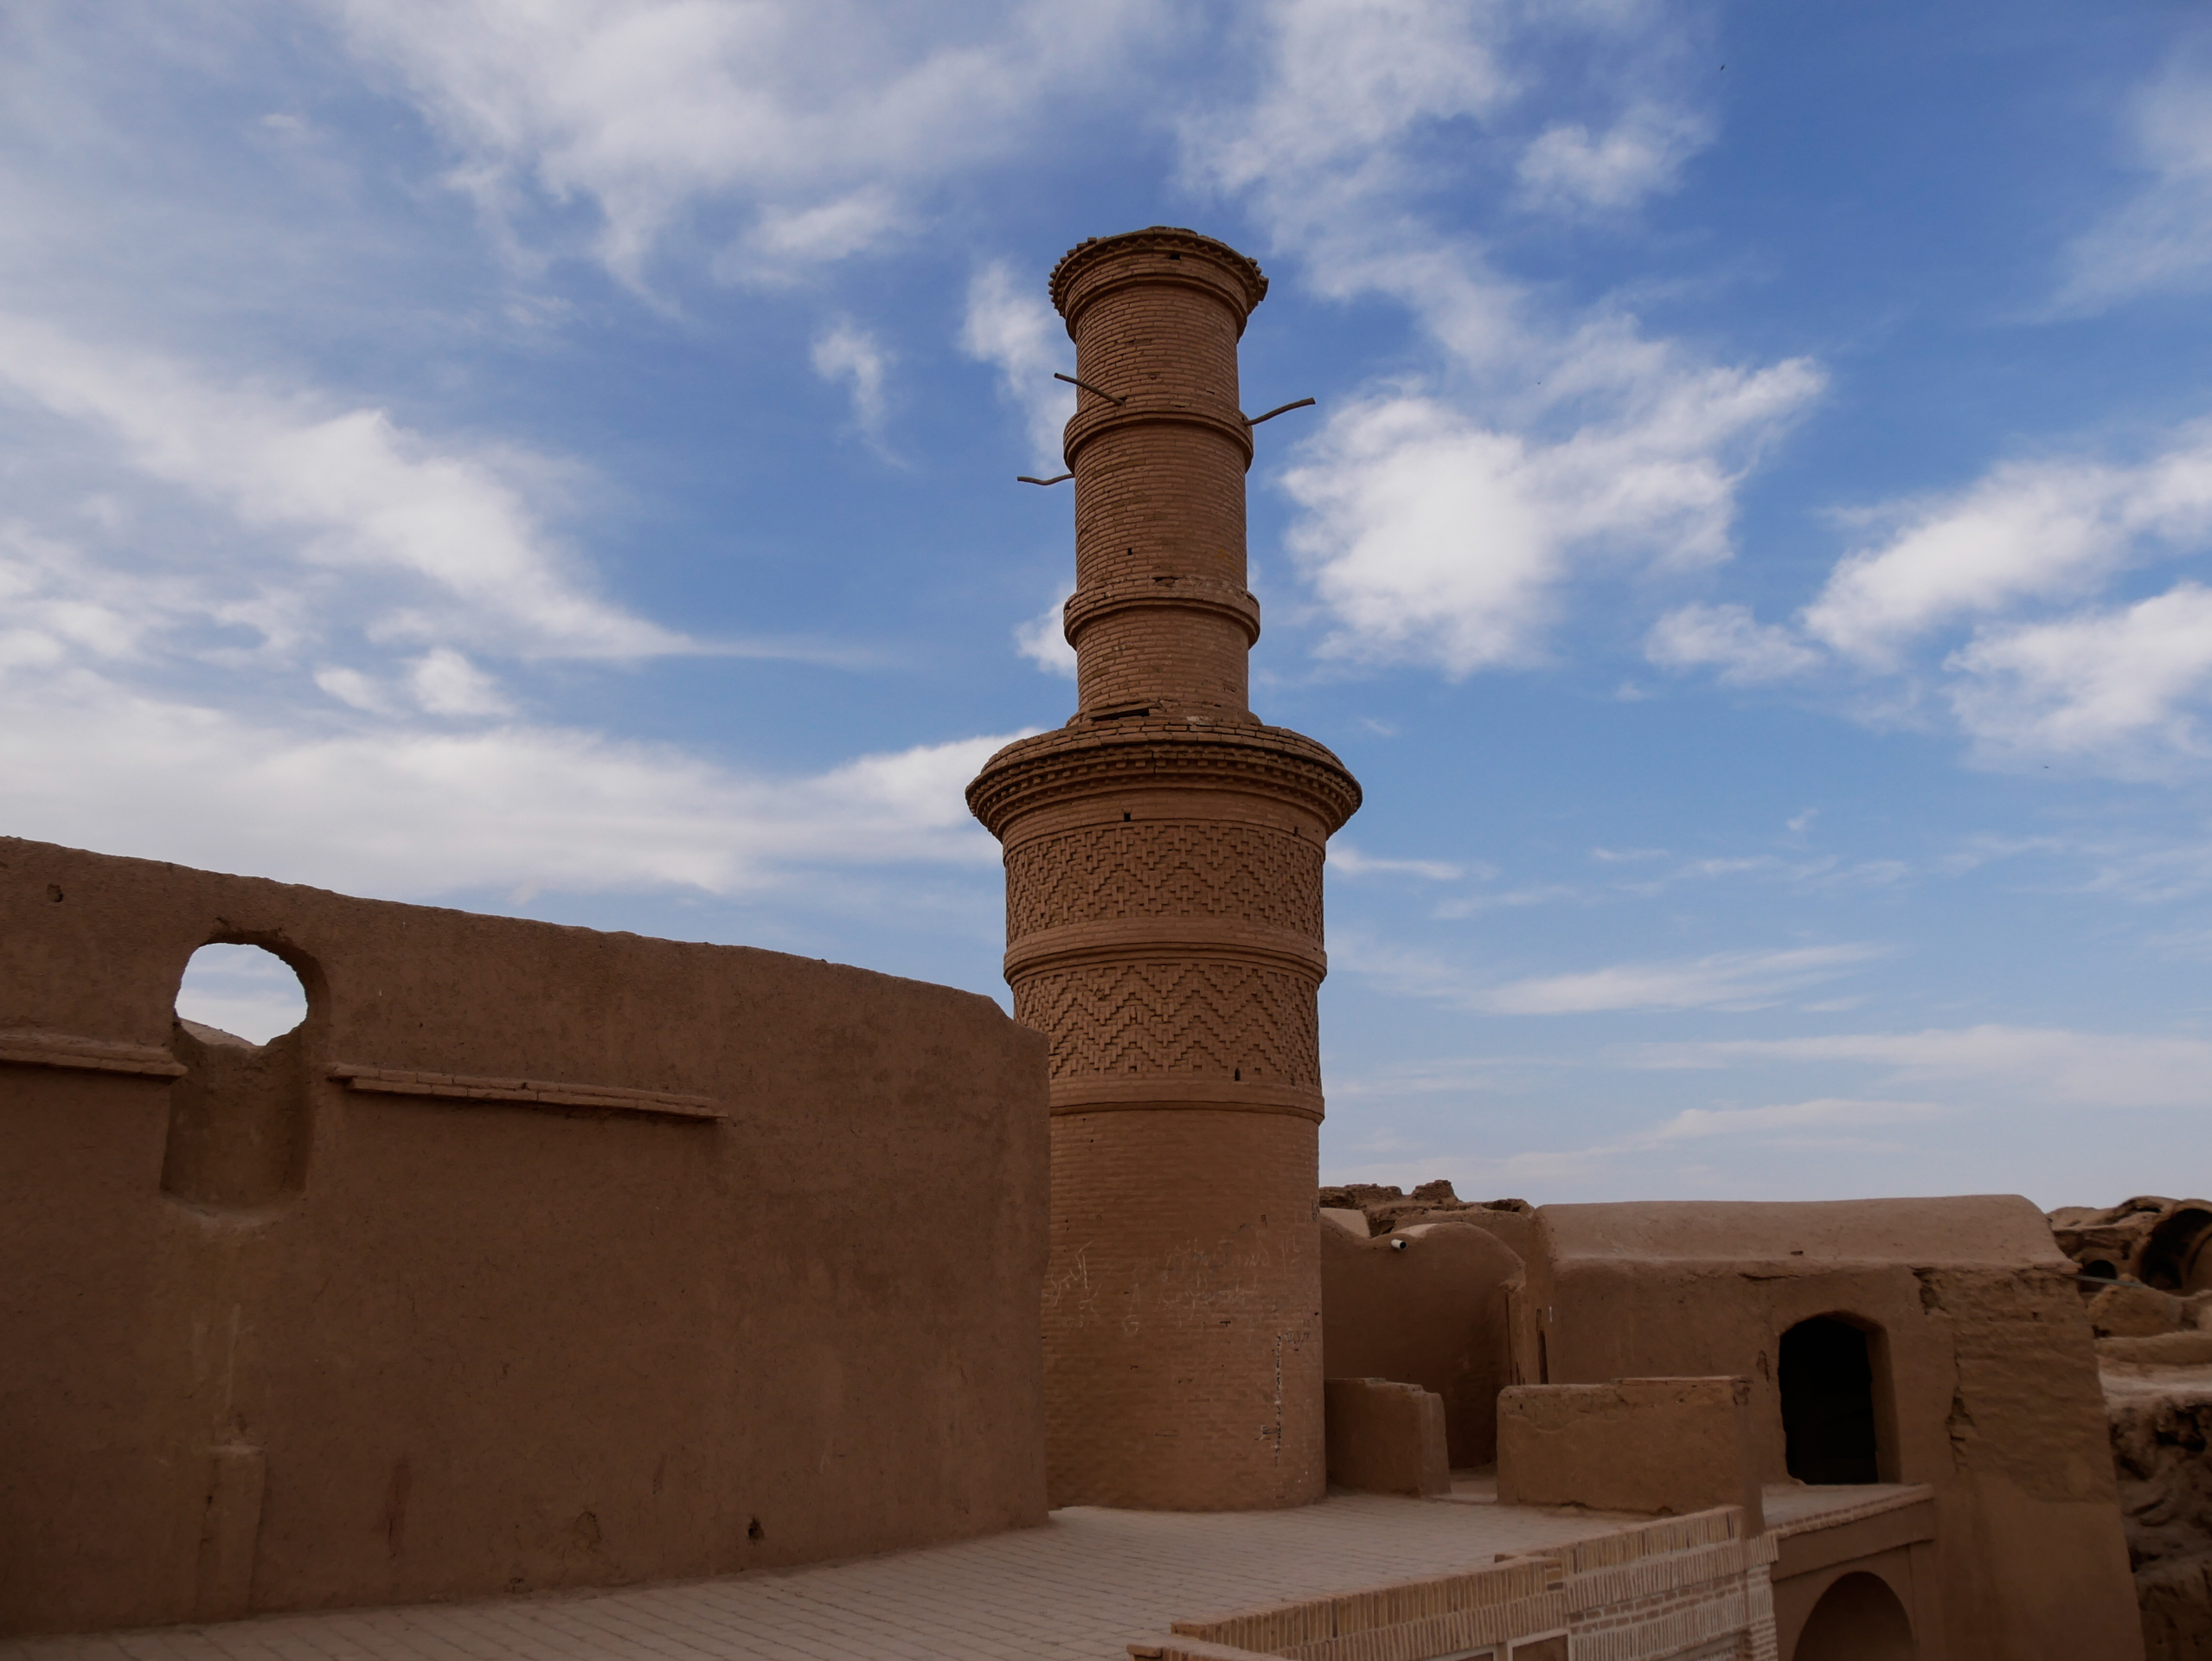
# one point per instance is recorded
(1160, 252)
(1161, 619)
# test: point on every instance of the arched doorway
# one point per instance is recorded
(1858, 1618)
(1828, 1416)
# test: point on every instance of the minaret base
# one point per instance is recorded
(1183, 1312)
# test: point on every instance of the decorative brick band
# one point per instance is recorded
(1253, 873)
(1167, 939)
(1096, 422)
(1193, 1019)
(524, 1093)
(1072, 763)
(1087, 606)
(26, 1046)
(1097, 1094)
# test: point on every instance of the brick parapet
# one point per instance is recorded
(1682, 1589)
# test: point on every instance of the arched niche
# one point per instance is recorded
(1857, 1618)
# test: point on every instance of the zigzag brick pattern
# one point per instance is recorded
(1163, 859)
(1246, 872)
(1221, 1020)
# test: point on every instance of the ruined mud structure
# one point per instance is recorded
(2146, 1273)
(539, 1258)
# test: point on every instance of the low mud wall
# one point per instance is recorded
(535, 1257)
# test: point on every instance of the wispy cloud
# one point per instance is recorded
(816, 125)
(1044, 639)
(431, 542)
(2021, 563)
(1347, 860)
(1730, 641)
(1568, 167)
(1724, 980)
(2159, 240)
(848, 354)
(1434, 538)
(2046, 1064)
(1685, 1146)
(2123, 687)
(1829, 1113)
(1446, 520)
(2052, 528)
(1009, 326)
(395, 808)
(1727, 980)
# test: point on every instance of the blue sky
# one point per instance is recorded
(556, 457)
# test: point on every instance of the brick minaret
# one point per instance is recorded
(1164, 858)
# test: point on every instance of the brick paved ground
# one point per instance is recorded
(1078, 1588)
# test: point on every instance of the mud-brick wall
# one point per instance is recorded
(535, 1257)
(1984, 1385)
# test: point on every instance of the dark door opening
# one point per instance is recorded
(1828, 1403)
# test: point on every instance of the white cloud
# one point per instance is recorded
(447, 683)
(2160, 240)
(446, 533)
(849, 353)
(354, 689)
(398, 811)
(1043, 639)
(1446, 521)
(1342, 83)
(814, 118)
(1566, 167)
(2049, 529)
(1825, 1112)
(1727, 637)
(1726, 980)
(1432, 538)
(2045, 1064)
(2114, 686)
(778, 250)
(1347, 860)
(1010, 326)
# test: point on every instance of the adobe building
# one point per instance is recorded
(1164, 855)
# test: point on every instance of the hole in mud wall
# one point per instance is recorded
(2174, 1258)
(1827, 1421)
(237, 1119)
(242, 991)
(1858, 1618)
